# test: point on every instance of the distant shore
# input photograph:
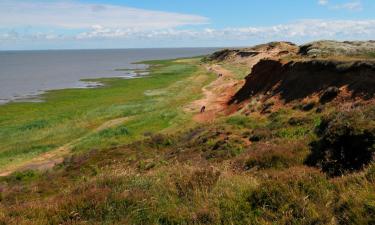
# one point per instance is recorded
(25, 75)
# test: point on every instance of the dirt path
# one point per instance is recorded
(50, 159)
(216, 95)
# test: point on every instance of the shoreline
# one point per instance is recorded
(27, 75)
(85, 83)
(28, 130)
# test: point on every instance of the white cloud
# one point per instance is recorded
(352, 6)
(78, 23)
(323, 2)
(300, 30)
(74, 15)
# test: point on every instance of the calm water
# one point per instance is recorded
(28, 73)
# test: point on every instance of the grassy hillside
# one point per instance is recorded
(209, 174)
(305, 162)
(151, 104)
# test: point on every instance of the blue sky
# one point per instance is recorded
(70, 24)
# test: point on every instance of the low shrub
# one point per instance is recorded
(273, 158)
(224, 149)
(293, 199)
(22, 176)
(260, 134)
(199, 180)
(346, 142)
(159, 140)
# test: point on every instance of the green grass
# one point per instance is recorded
(239, 70)
(371, 54)
(30, 128)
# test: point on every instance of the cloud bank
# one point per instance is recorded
(61, 24)
(74, 15)
(304, 29)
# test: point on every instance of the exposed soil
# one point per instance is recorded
(282, 72)
(300, 79)
(216, 96)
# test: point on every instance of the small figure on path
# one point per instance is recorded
(203, 109)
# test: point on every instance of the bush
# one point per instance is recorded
(222, 149)
(159, 140)
(20, 176)
(293, 199)
(346, 142)
(355, 199)
(260, 134)
(273, 158)
(200, 180)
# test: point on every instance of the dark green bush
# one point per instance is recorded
(346, 142)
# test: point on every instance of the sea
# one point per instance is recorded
(26, 74)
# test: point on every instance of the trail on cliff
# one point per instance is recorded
(216, 95)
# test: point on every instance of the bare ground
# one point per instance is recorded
(216, 96)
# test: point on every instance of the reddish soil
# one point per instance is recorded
(298, 80)
(216, 96)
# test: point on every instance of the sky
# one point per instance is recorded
(95, 24)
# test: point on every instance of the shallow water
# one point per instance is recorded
(28, 73)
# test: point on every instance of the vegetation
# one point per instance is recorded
(184, 179)
(347, 141)
(275, 166)
(151, 104)
(239, 70)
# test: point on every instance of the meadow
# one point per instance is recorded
(148, 104)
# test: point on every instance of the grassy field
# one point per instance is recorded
(293, 165)
(152, 103)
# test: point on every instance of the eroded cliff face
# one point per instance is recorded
(294, 80)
